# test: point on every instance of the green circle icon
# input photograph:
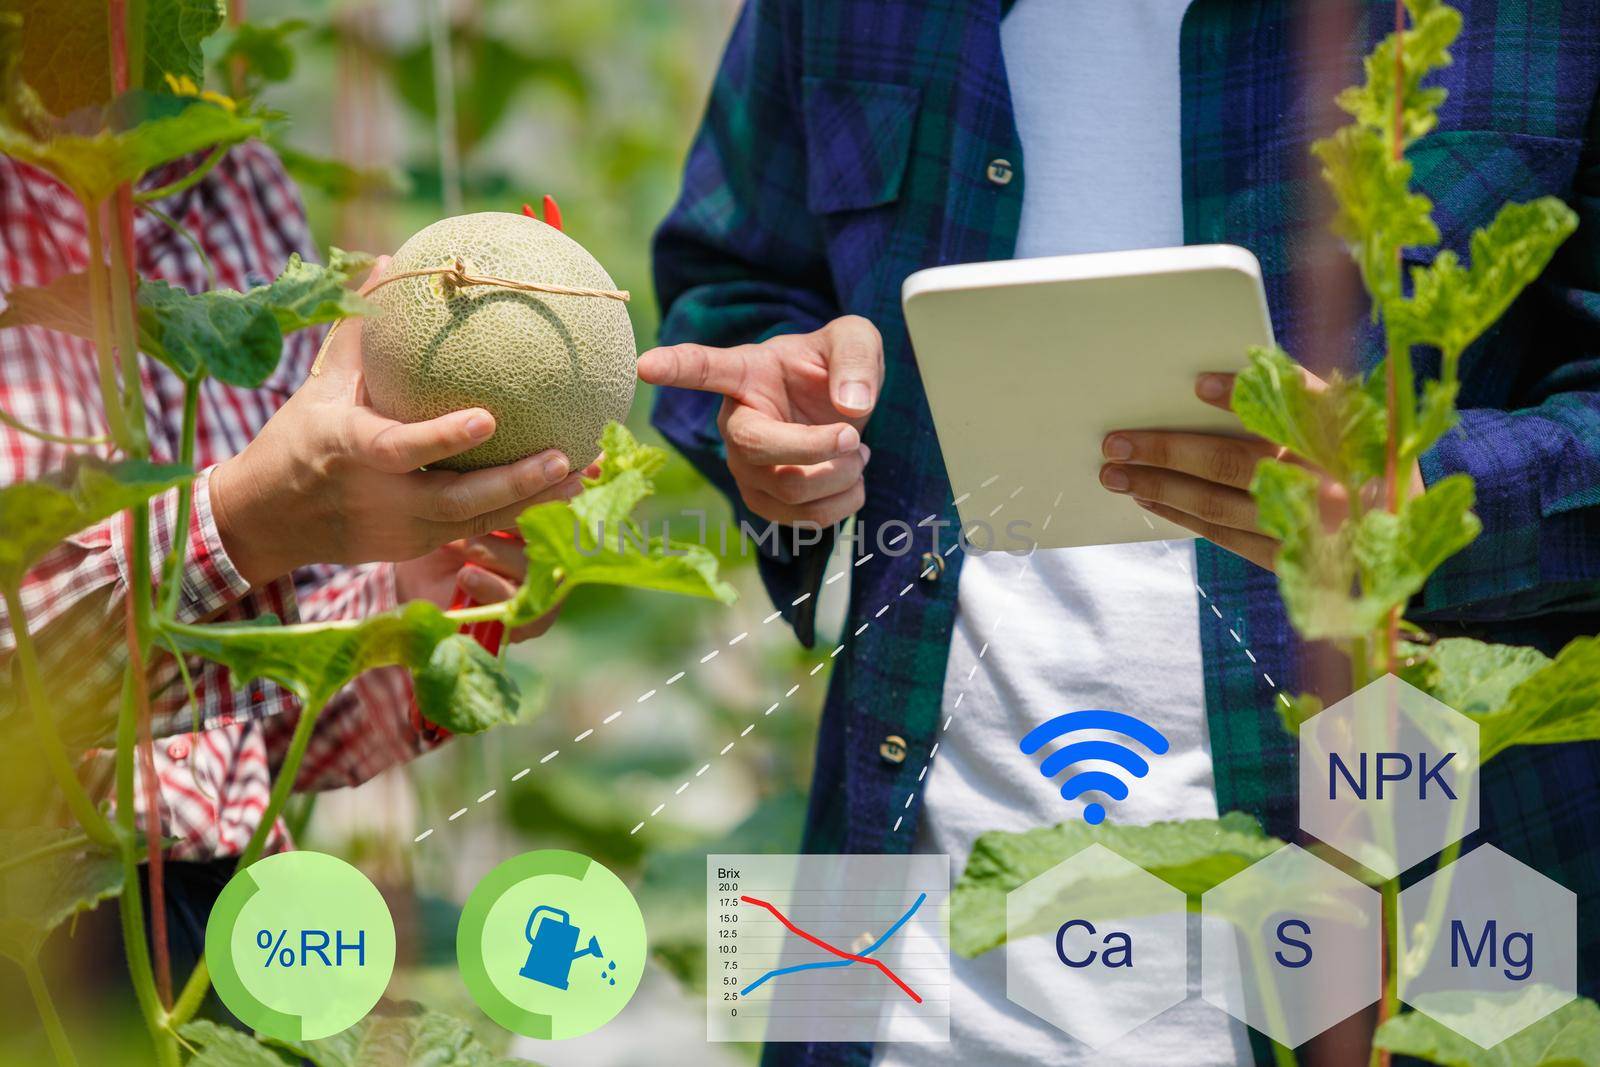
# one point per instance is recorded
(300, 945)
(551, 944)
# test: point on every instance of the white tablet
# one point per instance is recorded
(1029, 363)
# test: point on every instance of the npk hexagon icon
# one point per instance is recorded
(1389, 776)
(1096, 946)
(1488, 946)
(1291, 945)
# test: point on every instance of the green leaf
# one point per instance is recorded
(235, 337)
(308, 294)
(464, 689)
(220, 332)
(1452, 306)
(313, 660)
(1397, 553)
(422, 1039)
(1378, 214)
(1436, 416)
(349, 263)
(1557, 704)
(1568, 1037)
(1316, 570)
(37, 516)
(1193, 855)
(1340, 428)
(1471, 676)
(173, 32)
(1426, 48)
(54, 53)
(1294, 711)
(223, 1046)
(49, 875)
(144, 132)
(238, 337)
(591, 540)
(263, 49)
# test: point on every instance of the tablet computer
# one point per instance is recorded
(1029, 363)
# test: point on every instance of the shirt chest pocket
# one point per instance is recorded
(1469, 174)
(858, 142)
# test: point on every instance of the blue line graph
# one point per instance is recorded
(826, 964)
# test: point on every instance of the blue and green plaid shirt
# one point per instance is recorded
(847, 145)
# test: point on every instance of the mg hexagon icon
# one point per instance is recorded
(1389, 776)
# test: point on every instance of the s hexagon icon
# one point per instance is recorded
(1096, 946)
(1389, 776)
(1488, 946)
(1291, 946)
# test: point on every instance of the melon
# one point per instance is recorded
(553, 369)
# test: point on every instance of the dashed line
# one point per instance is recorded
(731, 643)
(422, 836)
(702, 770)
(880, 612)
(769, 618)
(791, 692)
(860, 629)
(987, 482)
(834, 577)
(583, 735)
(458, 813)
(772, 709)
(962, 499)
(636, 829)
(487, 795)
(863, 559)
(681, 788)
(656, 812)
(548, 756)
(838, 650)
(646, 696)
(801, 599)
(818, 667)
(747, 729)
(609, 719)
(520, 775)
(709, 656)
(725, 749)
(675, 677)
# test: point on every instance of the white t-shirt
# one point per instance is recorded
(1095, 89)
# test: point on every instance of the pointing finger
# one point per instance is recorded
(710, 370)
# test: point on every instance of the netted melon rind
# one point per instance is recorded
(552, 369)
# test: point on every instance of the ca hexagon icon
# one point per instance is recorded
(1291, 946)
(1389, 776)
(1096, 946)
(1488, 946)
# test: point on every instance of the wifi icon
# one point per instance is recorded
(1107, 751)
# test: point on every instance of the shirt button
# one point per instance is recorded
(932, 568)
(1000, 171)
(893, 749)
(178, 751)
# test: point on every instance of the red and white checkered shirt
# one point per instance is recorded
(215, 755)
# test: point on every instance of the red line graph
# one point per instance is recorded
(868, 960)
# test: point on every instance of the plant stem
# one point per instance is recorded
(123, 283)
(1389, 1006)
(99, 307)
(54, 438)
(194, 990)
(187, 181)
(132, 904)
(172, 570)
(55, 753)
(59, 1045)
(137, 628)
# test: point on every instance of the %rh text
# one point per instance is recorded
(327, 948)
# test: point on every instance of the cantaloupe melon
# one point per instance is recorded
(553, 369)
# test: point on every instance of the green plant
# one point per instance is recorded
(48, 875)
(1350, 584)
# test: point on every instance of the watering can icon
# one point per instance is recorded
(550, 948)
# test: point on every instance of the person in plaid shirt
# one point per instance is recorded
(308, 505)
(848, 145)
